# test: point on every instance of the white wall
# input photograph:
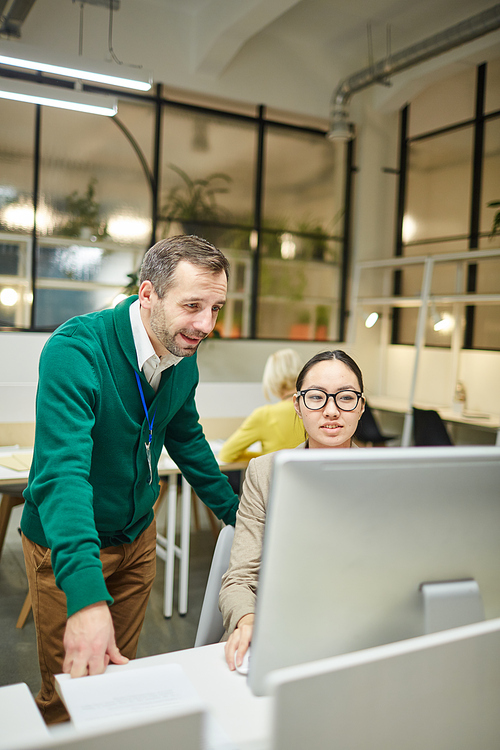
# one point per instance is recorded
(20, 353)
(230, 374)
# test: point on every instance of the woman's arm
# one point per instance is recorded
(249, 432)
(239, 584)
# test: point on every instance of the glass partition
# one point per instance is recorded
(490, 194)
(492, 98)
(299, 288)
(99, 181)
(208, 171)
(17, 125)
(98, 197)
(439, 179)
(301, 246)
(444, 103)
(303, 188)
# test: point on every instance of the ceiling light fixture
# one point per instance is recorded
(371, 319)
(30, 58)
(8, 297)
(52, 96)
(288, 246)
(441, 322)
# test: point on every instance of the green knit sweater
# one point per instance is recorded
(89, 481)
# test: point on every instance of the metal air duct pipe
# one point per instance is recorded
(466, 31)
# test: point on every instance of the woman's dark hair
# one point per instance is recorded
(324, 356)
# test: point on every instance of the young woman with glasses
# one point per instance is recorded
(329, 400)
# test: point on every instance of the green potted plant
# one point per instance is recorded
(84, 214)
(195, 200)
(495, 229)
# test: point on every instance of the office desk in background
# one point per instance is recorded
(13, 482)
(489, 423)
(166, 548)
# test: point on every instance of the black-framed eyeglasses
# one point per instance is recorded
(314, 398)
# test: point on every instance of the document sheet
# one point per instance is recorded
(99, 700)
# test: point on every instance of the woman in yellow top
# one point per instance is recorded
(276, 425)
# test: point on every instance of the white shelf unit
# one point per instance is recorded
(387, 301)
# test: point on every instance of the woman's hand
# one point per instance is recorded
(239, 641)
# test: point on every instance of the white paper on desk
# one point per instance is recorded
(125, 693)
(16, 461)
(8, 448)
(118, 693)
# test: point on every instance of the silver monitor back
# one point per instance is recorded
(351, 536)
(438, 692)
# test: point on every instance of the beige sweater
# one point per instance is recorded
(239, 585)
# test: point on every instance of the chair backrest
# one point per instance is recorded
(210, 625)
(368, 430)
(429, 428)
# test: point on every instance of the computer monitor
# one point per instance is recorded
(351, 536)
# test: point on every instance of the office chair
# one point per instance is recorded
(429, 428)
(210, 625)
(368, 430)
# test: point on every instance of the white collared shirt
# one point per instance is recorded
(148, 361)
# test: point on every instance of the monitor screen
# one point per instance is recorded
(351, 536)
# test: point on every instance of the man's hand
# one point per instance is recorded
(239, 641)
(89, 641)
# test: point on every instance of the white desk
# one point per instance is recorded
(243, 720)
(488, 423)
(244, 717)
(12, 483)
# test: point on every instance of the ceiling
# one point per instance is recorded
(288, 54)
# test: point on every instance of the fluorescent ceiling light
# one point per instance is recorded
(53, 96)
(31, 58)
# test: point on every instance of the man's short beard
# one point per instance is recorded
(169, 343)
(158, 326)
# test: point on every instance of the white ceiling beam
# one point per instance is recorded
(223, 26)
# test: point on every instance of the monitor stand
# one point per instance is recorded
(450, 604)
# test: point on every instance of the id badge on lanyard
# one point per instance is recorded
(150, 425)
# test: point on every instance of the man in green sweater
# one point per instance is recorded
(114, 387)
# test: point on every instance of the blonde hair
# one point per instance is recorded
(280, 373)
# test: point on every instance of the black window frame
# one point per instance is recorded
(160, 101)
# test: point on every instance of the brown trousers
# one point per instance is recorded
(129, 572)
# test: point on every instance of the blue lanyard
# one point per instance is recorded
(150, 425)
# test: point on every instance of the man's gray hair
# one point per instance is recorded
(161, 260)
